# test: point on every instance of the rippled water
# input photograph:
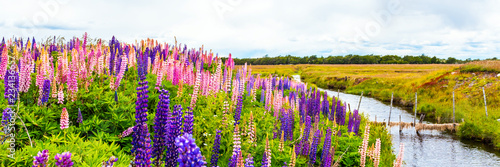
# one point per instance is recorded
(429, 148)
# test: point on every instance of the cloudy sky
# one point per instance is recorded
(254, 28)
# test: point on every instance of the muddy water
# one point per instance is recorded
(429, 148)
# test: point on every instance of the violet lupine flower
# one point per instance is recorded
(41, 159)
(63, 160)
(233, 162)
(215, 149)
(326, 146)
(188, 121)
(340, 114)
(6, 116)
(249, 161)
(80, 118)
(314, 147)
(357, 122)
(189, 152)
(160, 126)
(46, 91)
(116, 96)
(291, 124)
(141, 141)
(350, 124)
(305, 137)
(264, 161)
(175, 122)
(237, 112)
(11, 84)
(325, 105)
(64, 119)
(110, 162)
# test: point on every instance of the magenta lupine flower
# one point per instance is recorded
(127, 132)
(189, 152)
(41, 159)
(63, 160)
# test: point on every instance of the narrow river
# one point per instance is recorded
(429, 148)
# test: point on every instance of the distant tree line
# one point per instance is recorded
(349, 59)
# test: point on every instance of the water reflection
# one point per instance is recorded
(428, 148)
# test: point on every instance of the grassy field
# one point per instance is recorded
(434, 84)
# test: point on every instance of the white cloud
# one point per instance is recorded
(253, 28)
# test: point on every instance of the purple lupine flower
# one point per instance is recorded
(314, 147)
(234, 159)
(63, 160)
(189, 152)
(110, 162)
(80, 118)
(188, 121)
(325, 105)
(327, 162)
(215, 149)
(237, 112)
(46, 91)
(340, 114)
(249, 161)
(141, 141)
(305, 137)
(264, 161)
(262, 95)
(326, 146)
(11, 84)
(116, 96)
(41, 159)
(302, 108)
(291, 124)
(6, 116)
(175, 124)
(350, 124)
(334, 108)
(357, 121)
(160, 125)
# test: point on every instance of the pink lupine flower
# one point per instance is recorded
(64, 119)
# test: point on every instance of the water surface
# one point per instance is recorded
(428, 148)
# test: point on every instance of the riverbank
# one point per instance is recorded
(434, 85)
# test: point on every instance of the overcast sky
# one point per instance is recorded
(254, 28)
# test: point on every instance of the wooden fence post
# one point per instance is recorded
(415, 116)
(359, 104)
(400, 123)
(485, 107)
(453, 106)
(390, 110)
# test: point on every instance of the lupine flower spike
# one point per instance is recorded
(63, 160)
(64, 119)
(41, 159)
(110, 162)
